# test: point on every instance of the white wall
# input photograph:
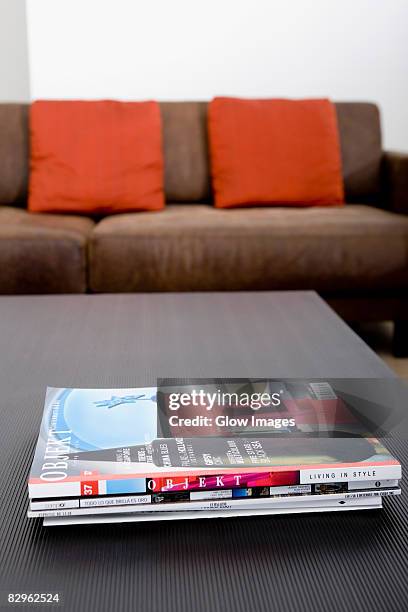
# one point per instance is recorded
(195, 49)
(14, 82)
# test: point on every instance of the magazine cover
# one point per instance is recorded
(111, 441)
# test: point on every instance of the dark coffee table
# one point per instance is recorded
(355, 561)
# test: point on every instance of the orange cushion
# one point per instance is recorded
(95, 157)
(274, 152)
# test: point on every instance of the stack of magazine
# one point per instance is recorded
(115, 455)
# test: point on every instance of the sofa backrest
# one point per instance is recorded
(13, 153)
(361, 150)
(185, 143)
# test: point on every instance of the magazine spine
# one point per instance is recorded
(133, 484)
(307, 500)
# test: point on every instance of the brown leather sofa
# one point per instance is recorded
(356, 256)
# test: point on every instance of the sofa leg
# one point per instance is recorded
(400, 339)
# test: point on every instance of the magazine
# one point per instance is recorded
(369, 504)
(221, 504)
(97, 442)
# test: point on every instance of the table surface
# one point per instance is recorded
(343, 561)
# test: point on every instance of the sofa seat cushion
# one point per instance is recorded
(42, 253)
(202, 248)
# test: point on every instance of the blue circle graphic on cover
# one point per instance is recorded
(107, 418)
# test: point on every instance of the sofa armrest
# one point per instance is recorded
(395, 181)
